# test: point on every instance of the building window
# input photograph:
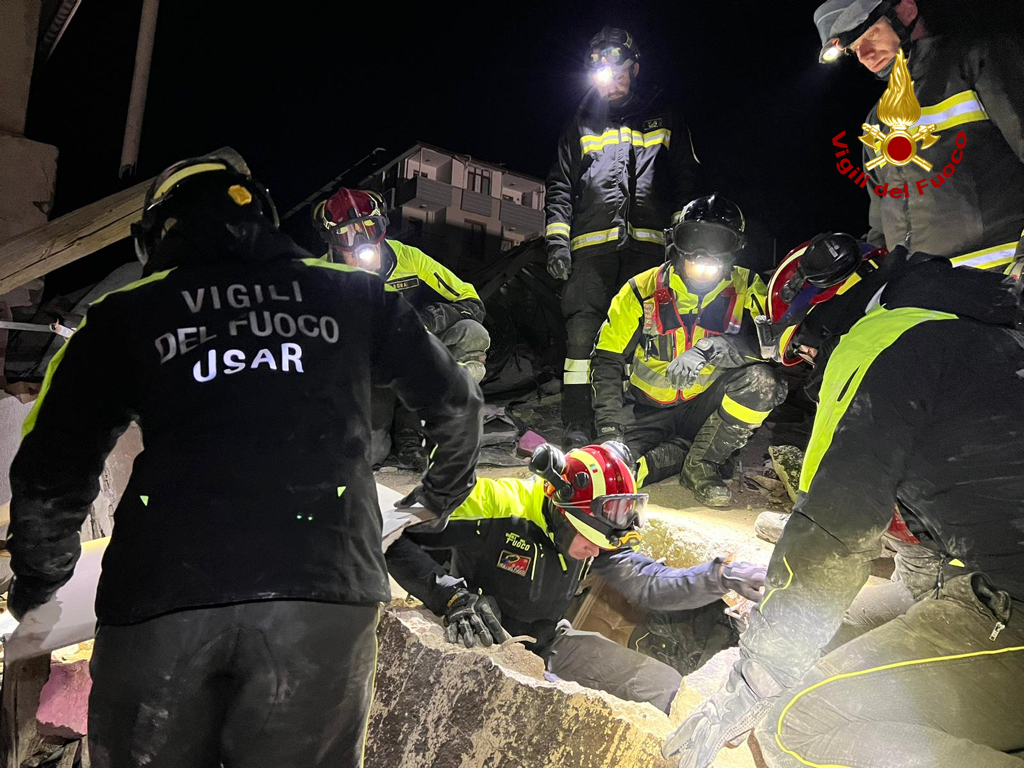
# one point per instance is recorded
(507, 245)
(478, 180)
(476, 238)
(509, 198)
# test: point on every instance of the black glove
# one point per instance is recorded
(471, 617)
(559, 261)
(439, 317)
(683, 371)
(22, 599)
(745, 579)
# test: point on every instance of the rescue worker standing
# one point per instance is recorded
(354, 224)
(969, 87)
(522, 547)
(940, 686)
(698, 387)
(625, 167)
(240, 590)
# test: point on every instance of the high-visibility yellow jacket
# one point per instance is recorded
(653, 319)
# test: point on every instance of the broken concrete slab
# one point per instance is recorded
(788, 461)
(444, 706)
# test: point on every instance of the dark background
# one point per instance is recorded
(305, 89)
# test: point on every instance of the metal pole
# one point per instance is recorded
(140, 85)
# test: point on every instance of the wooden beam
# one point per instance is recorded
(74, 235)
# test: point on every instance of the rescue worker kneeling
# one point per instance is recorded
(698, 387)
(522, 547)
(354, 223)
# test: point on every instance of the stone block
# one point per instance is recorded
(445, 706)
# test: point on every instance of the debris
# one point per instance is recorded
(529, 442)
(438, 704)
(64, 702)
(788, 460)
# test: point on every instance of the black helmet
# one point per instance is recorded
(705, 240)
(215, 187)
(613, 47)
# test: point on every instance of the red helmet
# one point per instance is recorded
(351, 217)
(811, 274)
(594, 489)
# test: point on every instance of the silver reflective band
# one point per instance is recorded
(961, 108)
(990, 258)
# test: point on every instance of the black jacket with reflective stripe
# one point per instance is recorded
(504, 547)
(975, 87)
(250, 375)
(920, 408)
(619, 177)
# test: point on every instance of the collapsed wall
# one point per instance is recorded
(439, 705)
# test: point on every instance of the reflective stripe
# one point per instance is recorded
(648, 235)
(742, 413)
(785, 586)
(642, 472)
(847, 367)
(557, 228)
(576, 371)
(594, 238)
(860, 673)
(990, 258)
(594, 143)
(961, 108)
(677, 217)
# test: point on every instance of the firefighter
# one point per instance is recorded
(354, 223)
(625, 168)
(968, 86)
(522, 547)
(698, 387)
(240, 591)
(919, 408)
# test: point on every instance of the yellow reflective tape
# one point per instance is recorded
(642, 471)
(184, 173)
(144, 500)
(594, 238)
(651, 235)
(742, 413)
(373, 682)
(957, 563)
(990, 258)
(789, 581)
(958, 109)
(677, 217)
(577, 365)
(575, 377)
(596, 475)
(848, 675)
(557, 228)
(595, 143)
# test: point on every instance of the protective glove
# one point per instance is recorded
(724, 718)
(559, 262)
(22, 599)
(439, 317)
(683, 371)
(745, 579)
(471, 617)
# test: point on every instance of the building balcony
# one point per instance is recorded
(526, 221)
(424, 194)
(475, 202)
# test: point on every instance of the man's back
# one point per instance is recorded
(252, 388)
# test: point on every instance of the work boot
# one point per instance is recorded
(702, 471)
(575, 436)
(409, 451)
(662, 461)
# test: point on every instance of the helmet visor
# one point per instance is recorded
(708, 239)
(616, 56)
(364, 231)
(620, 510)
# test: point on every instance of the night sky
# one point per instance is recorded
(303, 90)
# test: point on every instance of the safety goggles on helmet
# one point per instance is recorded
(355, 232)
(706, 239)
(811, 274)
(611, 518)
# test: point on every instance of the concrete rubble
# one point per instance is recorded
(443, 706)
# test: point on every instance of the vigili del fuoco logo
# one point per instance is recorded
(900, 110)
